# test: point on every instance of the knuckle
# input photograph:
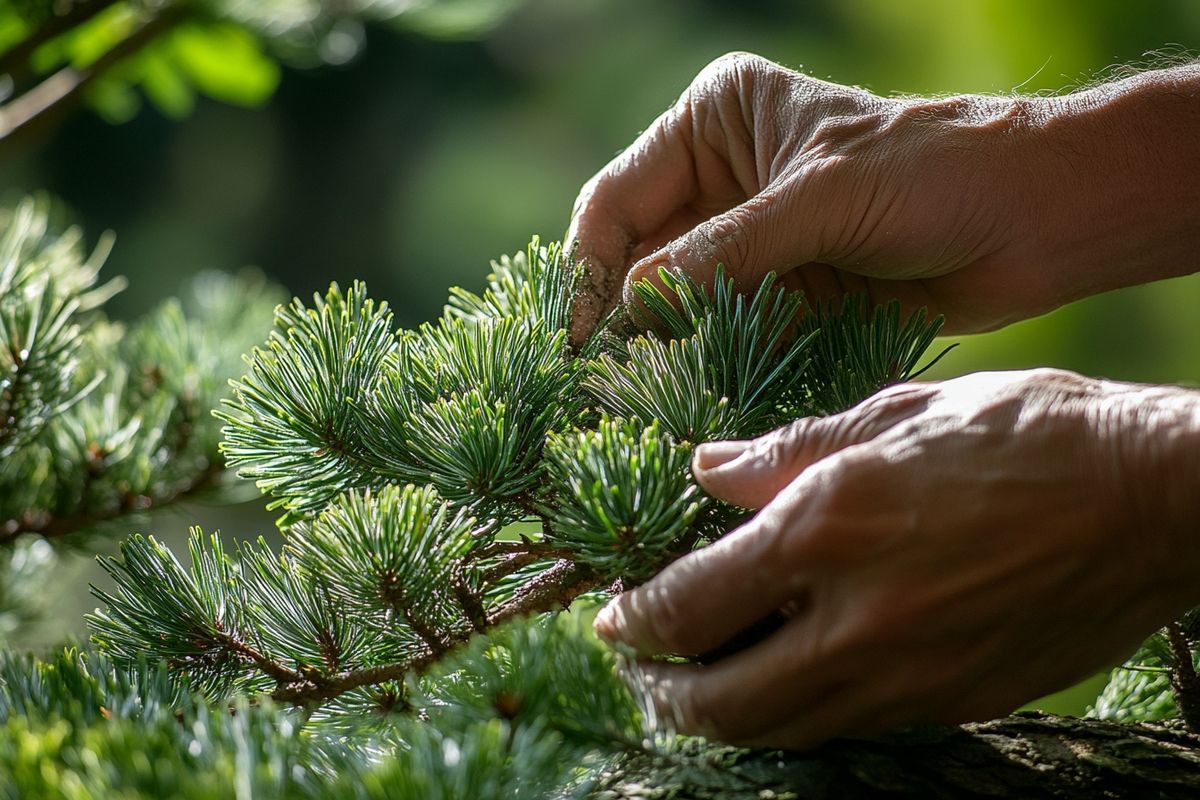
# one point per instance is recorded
(1053, 375)
(799, 436)
(779, 449)
(735, 74)
(726, 237)
(885, 405)
(738, 65)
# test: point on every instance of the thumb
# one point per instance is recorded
(749, 240)
(750, 473)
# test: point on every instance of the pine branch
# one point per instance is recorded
(45, 524)
(276, 671)
(553, 590)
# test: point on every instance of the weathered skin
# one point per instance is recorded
(946, 551)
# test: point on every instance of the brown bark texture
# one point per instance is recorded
(1028, 756)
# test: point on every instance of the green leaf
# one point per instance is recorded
(225, 62)
(165, 85)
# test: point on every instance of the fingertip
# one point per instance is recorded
(740, 481)
(711, 455)
(605, 622)
(644, 270)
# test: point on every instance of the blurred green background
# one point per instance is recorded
(416, 162)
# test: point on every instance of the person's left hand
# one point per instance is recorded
(943, 552)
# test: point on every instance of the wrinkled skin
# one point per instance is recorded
(944, 552)
(985, 209)
(947, 551)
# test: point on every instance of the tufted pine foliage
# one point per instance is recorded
(444, 490)
(446, 493)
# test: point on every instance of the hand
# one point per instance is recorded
(943, 552)
(984, 209)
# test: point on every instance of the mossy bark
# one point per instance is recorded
(1026, 757)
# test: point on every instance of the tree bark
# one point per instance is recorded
(1030, 757)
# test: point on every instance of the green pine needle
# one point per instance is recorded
(623, 496)
(860, 350)
(292, 424)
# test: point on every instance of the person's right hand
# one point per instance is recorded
(985, 209)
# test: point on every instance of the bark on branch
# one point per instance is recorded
(1027, 757)
(49, 526)
(553, 589)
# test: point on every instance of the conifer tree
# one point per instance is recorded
(445, 494)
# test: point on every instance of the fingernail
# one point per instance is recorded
(711, 455)
(644, 271)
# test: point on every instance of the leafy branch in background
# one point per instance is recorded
(56, 55)
(100, 420)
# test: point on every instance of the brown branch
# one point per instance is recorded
(1027, 757)
(469, 601)
(437, 645)
(14, 62)
(68, 84)
(310, 692)
(1185, 683)
(48, 526)
(554, 589)
(270, 668)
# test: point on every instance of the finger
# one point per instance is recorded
(679, 223)
(708, 596)
(749, 240)
(628, 200)
(749, 693)
(750, 473)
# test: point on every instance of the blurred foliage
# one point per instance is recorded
(227, 50)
